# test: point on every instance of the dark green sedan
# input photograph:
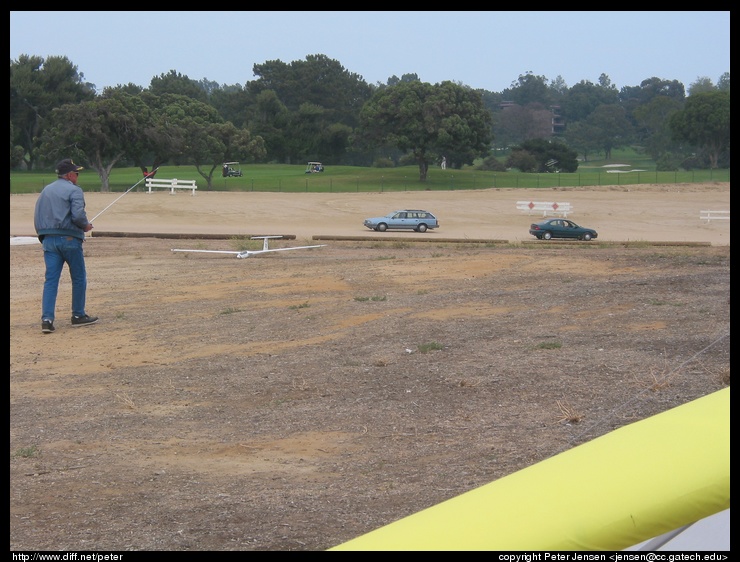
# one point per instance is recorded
(560, 228)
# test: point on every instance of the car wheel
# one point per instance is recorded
(547, 235)
(587, 236)
(382, 227)
(421, 228)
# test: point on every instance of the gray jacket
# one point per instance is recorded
(60, 210)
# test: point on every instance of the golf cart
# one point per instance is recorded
(314, 167)
(231, 170)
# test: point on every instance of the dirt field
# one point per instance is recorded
(296, 400)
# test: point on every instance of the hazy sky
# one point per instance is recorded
(487, 50)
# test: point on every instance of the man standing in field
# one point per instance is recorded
(61, 223)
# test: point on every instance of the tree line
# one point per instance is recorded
(316, 110)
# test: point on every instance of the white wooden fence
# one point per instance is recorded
(545, 207)
(172, 185)
(714, 215)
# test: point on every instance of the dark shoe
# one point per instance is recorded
(83, 320)
(47, 326)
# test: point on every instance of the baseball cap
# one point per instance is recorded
(66, 166)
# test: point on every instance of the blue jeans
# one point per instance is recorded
(59, 250)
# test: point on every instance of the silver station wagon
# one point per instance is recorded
(407, 219)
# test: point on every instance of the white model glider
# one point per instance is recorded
(248, 253)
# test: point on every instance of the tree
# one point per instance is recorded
(157, 139)
(37, 86)
(175, 83)
(723, 83)
(493, 103)
(701, 84)
(211, 144)
(189, 131)
(652, 119)
(318, 94)
(558, 88)
(632, 97)
(130, 88)
(304, 131)
(334, 141)
(704, 123)
(163, 136)
(318, 80)
(540, 155)
(269, 118)
(395, 80)
(231, 103)
(652, 87)
(95, 133)
(171, 127)
(529, 89)
(16, 151)
(427, 121)
(516, 123)
(581, 100)
(583, 137)
(522, 160)
(158, 136)
(614, 129)
(606, 82)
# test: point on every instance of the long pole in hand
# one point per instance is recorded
(124, 193)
